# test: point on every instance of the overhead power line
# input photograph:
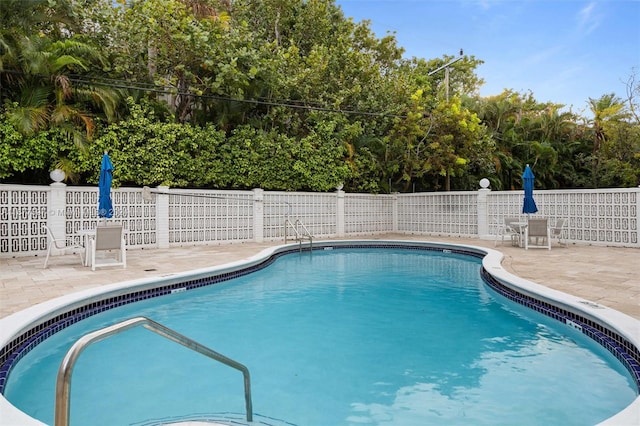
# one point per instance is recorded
(287, 103)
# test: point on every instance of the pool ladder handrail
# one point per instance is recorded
(300, 230)
(63, 381)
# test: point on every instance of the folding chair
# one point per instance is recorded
(558, 230)
(508, 229)
(64, 244)
(537, 230)
(109, 239)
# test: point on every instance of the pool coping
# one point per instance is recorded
(20, 322)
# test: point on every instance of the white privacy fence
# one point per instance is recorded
(596, 216)
(178, 217)
(441, 213)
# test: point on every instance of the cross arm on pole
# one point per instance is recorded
(446, 65)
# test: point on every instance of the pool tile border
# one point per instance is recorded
(627, 353)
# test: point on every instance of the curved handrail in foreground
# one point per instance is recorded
(63, 381)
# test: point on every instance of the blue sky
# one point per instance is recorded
(564, 51)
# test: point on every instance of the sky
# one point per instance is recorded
(563, 51)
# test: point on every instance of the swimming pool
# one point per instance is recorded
(144, 290)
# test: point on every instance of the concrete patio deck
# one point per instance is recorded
(609, 276)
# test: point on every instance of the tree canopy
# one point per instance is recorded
(277, 94)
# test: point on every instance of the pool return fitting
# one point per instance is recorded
(63, 381)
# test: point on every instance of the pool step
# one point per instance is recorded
(215, 419)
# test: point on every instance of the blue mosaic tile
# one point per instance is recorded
(621, 348)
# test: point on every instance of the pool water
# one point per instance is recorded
(336, 337)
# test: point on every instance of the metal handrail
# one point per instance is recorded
(299, 236)
(63, 381)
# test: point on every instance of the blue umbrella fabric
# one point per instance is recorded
(529, 205)
(105, 206)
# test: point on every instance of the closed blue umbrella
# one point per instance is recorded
(529, 205)
(105, 206)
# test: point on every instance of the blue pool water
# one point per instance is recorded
(337, 337)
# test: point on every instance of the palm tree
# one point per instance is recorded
(606, 109)
(49, 93)
(556, 135)
(26, 18)
(46, 72)
(500, 114)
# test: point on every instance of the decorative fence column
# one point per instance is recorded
(162, 216)
(483, 210)
(636, 225)
(258, 215)
(57, 212)
(395, 213)
(340, 213)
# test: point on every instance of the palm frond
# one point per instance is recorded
(64, 62)
(29, 120)
(34, 96)
(102, 98)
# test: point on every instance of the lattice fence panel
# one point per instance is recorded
(451, 213)
(366, 214)
(82, 209)
(503, 204)
(23, 213)
(317, 211)
(201, 217)
(137, 216)
(605, 217)
(608, 216)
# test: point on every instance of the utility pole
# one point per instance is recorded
(446, 83)
(446, 72)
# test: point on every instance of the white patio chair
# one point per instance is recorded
(537, 234)
(66, 243)
(109, 239)
(508, 229)
(558, 230)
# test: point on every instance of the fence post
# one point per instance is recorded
(637, 224)
(340, 212)
(258, 215)
(394, 213)
(57, 214)
(483, 210)
(162, 217)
